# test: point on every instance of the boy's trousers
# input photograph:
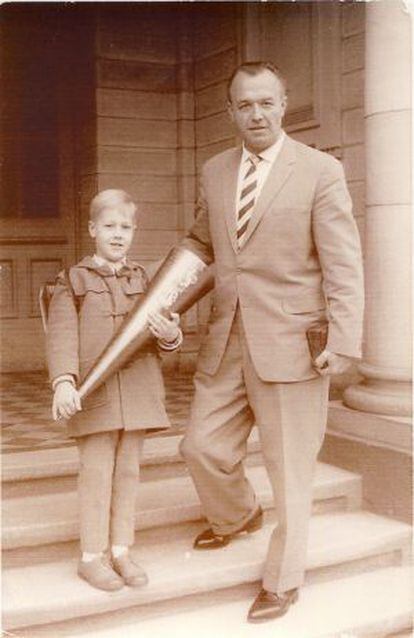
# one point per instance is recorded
(107, 487)
(291, 419)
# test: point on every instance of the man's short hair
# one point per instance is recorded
(254, 68)
(110, 198)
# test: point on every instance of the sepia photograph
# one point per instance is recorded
(206, 326)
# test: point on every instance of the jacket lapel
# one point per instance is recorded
(278, 175)
(229, 188)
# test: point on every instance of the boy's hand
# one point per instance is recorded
(166, 329)
(66, 401)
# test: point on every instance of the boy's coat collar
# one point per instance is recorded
(128, 269)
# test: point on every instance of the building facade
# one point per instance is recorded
(133, 96)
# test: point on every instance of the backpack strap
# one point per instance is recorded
(46, 293)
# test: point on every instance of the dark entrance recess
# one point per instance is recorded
(41, 65)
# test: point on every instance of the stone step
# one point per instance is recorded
(339, 544)
(50, 518)
(55, 470)
(375, 604)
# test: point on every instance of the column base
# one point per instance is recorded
(377, 447)
(392, 398)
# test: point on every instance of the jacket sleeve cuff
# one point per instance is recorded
(62, 378)
(353, 352)
(169, 346)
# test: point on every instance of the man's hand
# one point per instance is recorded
(66, 401)
(331, 363)
(163, 328)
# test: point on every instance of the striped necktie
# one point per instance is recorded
(247, 198)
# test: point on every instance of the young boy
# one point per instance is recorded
(88, 305)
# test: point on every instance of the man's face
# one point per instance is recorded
(113, 231)
(257, 105)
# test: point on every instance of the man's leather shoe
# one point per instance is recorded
(210, 540)
(269, 605)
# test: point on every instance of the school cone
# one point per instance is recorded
(181, 280)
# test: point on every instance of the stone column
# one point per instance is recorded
(386, 363)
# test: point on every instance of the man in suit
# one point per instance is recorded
(275, 217)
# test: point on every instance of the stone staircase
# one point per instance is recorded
(357, 581)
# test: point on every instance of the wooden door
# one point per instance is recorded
(38, 200)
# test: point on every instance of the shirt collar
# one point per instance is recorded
(270, 153)
(127, 267)
(100, 261)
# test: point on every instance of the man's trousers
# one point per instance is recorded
(291, 419)
(107, 488)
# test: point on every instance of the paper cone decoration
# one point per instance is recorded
(182, 279)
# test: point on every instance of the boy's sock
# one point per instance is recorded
(119, 550)
(88, 557)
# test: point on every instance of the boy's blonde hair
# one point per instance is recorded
(109, 198)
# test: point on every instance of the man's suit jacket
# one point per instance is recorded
(300, 262)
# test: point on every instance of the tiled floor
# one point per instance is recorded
(26, 420)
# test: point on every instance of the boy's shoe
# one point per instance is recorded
(132, 574)
(100, 574)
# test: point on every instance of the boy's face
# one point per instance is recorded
(113, 231)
